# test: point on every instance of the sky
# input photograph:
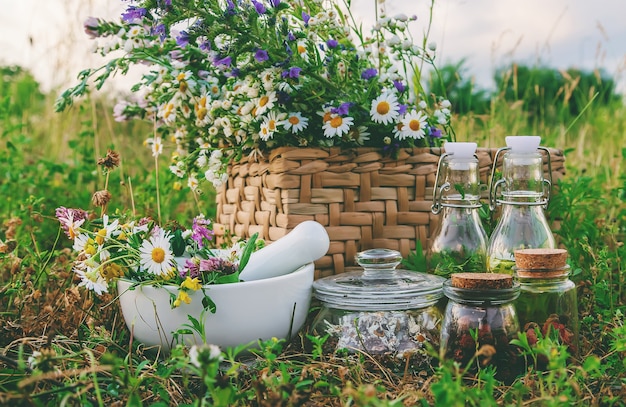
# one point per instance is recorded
(46, 36)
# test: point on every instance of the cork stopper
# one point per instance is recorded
(534, 259)
(472, 281)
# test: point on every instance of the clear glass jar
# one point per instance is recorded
(524, 195)
(480, 321)
(459, 243)
(380, 310)
(548, 301)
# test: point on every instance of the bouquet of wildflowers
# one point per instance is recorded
(227, 78)
(146, 253)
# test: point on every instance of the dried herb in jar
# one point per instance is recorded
(480, 322)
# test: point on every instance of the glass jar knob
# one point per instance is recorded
(379, 263)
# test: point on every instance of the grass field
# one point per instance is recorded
(82, 348)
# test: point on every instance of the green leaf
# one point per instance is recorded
(208, 303)
(247, 251)
(178, 243)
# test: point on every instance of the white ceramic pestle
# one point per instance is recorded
(306, 243)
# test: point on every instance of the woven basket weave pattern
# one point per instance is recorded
(363, 198)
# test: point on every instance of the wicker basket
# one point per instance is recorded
(364, 199)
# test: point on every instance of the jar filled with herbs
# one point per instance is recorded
(547, 304)
(380, 310)
(480, 321)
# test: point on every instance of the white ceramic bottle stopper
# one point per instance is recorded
(523, 144)
(306, 243)
(460, 154)
(460, 150)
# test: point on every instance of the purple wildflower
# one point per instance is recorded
(275, 3)
(182, 40)
(219, 265)
(133, 14)
(176, 55)
(261, 55)
(293, 73)
(399, 86)
(435, 132)
(342, 110)
(332, 43)
(191, 269)
(69, 219)
(306, 17)
(91, 27)
(200, 231)
(160, 30)
(259, 7)
(290, 36)
(226, 61)
(230, 7)
(205, 46)
(402, 109)
(369, 73)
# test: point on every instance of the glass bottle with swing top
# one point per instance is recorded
(524, 194)
(459, 243)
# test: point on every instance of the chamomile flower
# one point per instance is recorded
(107, 230)
(295, 122)
(302, 50)
(337, 126)
(385, 108)
(359, 134)
(273, 120)
(156, 254)
(92, 280)
(155, 144)
(265, 103)
(264, 132)
(167, 112)
(413, 125)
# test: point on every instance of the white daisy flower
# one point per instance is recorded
(274, 120)
(156, 145)
(156, 254)
(360, 134)
(178, 169)
(385, 108)
(92, 280)
(80, 242)
(167, 112)
(413, 125)
(301, 48)
(265, 103)
(337, 126)
(192, 182)
(264, 132)
(295, 122)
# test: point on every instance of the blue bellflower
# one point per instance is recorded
(261, 55)
(369, 73)
(133, 14)
(259, 7)
(293, 73)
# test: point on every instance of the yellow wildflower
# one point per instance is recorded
(191, 284)
(182, 297)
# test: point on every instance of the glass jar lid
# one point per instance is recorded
(379, 286)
